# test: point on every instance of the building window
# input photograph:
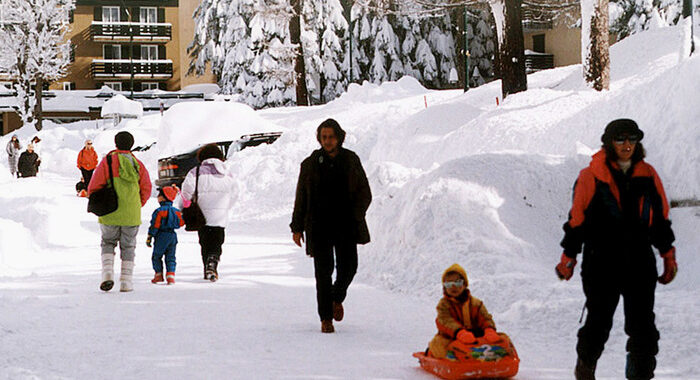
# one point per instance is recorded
(112, 51)
(149, 86)
(116, 86)
(110, 14)
(538, 43)
(68, 86)
(149, 15)
(149, 52)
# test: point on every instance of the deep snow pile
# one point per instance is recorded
(455, 178)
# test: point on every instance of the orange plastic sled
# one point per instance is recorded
(480, 360)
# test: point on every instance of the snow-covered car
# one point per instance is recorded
(173, 169)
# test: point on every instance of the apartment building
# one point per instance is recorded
(131, 44)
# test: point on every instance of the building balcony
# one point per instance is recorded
(532, 26)
(122, 31)
(122, 68)
(538, 61)
(535, 20)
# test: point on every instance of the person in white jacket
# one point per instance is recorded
(216, 193)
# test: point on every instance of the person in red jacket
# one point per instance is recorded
(619, 212)
(87, 161)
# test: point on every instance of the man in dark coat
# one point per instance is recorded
(619, 212)
(332, 198)
(28, 164)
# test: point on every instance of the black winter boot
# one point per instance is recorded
(211, 270)
(584, 371)
(640, 367)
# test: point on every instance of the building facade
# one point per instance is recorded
(130, 44)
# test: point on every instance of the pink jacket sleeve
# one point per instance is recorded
(144, 183)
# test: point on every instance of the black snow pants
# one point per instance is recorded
(87, 175)
(603, 284)
(345, 264)
(210, 240)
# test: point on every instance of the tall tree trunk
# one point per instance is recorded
(458, 23)
(511, 47)
(38, 87)
(299, 66)
(687, 17)
(596, 43)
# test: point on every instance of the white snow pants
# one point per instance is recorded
(124, 235)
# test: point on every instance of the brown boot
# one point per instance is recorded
(327, 326)
(338, 311)
(584, 371)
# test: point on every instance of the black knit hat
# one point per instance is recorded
(620, 127)
(124, 140)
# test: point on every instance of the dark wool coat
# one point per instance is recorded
(308, 198)
(28, 164)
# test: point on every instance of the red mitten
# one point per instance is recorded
(670, 266)
(565, 268)
(465, 337)
(491, 335)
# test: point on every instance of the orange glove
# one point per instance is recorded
(565, 268)
(465, 337)
(491, 335)
(670, 266)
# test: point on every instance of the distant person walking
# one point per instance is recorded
(216, 192)
(133, 187)
(28, 163)
(13, 150)
(87, 161)
(332, 198)
(619, 212)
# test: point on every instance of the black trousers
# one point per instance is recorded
(210, 240)
(87, 175)
(603, 291)
(345, 262)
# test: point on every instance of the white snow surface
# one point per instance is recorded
(120, 105)
(459, 180)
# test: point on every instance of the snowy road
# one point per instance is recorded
(257, 322)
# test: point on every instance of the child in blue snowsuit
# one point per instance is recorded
(164, 221)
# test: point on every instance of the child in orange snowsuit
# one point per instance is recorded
(461, 316)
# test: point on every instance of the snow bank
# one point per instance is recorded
(119, 105)
(188, 125)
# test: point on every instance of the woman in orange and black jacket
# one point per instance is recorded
(619, 212)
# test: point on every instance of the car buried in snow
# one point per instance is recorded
(173, 169)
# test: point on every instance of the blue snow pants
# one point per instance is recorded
(165, 243)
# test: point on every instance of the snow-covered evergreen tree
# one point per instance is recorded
(482, 46)
(33, 40)
(206, 47)
(324, 34)
(442, 44)
(236, 46)
(273, 56)
(633, 16)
